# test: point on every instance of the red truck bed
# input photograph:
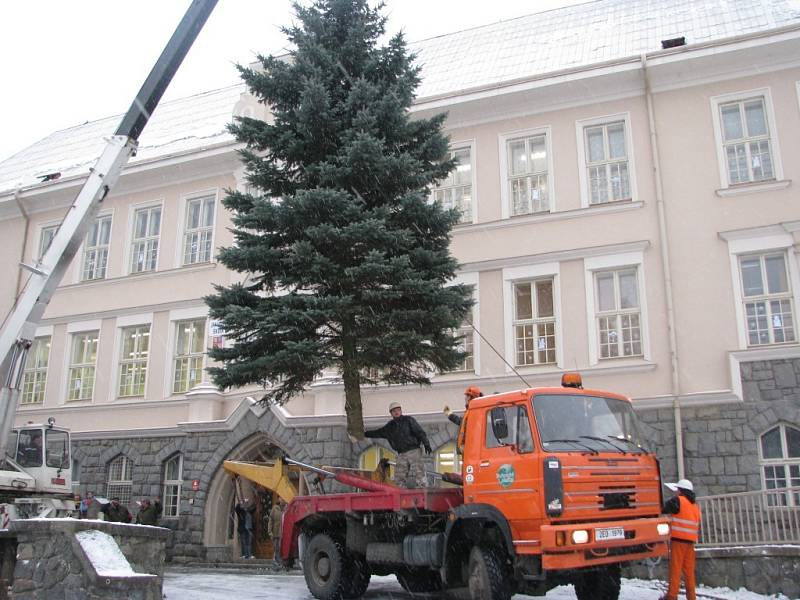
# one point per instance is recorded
(430, 499)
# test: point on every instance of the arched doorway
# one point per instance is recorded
(220, 521)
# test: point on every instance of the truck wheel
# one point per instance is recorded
(602, 584)
(323, 567)
(419, 580)
(488, 577)
(356, 579)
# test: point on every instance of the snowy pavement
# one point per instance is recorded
(210, 584)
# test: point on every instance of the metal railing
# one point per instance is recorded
(751, 518)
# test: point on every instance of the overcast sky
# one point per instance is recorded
(64, 62)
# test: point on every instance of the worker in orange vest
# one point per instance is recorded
(684, 534)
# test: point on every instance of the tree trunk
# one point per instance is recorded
(352, 389)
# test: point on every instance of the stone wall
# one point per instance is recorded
(721, 441)
(767, 570)
(51, 563)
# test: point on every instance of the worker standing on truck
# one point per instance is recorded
(469, 393)
(405, 437)
(684, 534)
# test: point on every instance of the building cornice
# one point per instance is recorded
(559, 256)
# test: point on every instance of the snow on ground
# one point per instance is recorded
(206, 584)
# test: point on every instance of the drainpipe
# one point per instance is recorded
(27, 219)
(664, 247)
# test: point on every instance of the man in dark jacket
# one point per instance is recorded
(244, 525)
(116, 512)
(405, 437)
(684, 534)
(148, 512)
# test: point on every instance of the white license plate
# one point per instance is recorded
(610, 533)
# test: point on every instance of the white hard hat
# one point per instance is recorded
(394, 405)
(683, 484)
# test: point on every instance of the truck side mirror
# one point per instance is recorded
(499, 423)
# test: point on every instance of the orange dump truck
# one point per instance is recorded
(557, 487)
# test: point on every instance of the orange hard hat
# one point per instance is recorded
(472, 391)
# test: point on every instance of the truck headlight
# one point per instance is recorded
(662, 529)
(580, 536)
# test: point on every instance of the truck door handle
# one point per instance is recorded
(485, 463)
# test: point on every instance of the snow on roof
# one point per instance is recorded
(524, 47)
(583, 35)
(103, 552)
(191, 123)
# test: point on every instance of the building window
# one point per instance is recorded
(82, 365)
(95, 252)
(780, 464)
(466, 344)
(120, 479)
(618, 313)
(173, 481)
(146, 230)
(767, 298)
(746, 142)
(527, 174)
(48, 233)
(189, 349)
(456, 190)
(606, 156)
(370, 458)
(447, 460)
(35, 379)
(534, 322)
(134, 351)
(199, 228)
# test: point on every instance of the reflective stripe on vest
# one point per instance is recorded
(686, 523)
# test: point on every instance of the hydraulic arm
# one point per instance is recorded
(19, 330)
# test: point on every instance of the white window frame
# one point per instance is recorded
(471, 279)
(176, 315)
(761, 241)
(40, 250)
(505, 188)
(122, 488)
(785, 461)
(131, 242)
(170, 510)
(136, 363)
(36, 370)
(580, 127)
(183, 212)
(70, 365)
(85, 249)
(173, 348)
(716, 101)
(594, 264)
(454, 147)
(513, 275)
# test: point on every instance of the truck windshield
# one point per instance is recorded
(569, 422)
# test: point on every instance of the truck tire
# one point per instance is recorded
(602, 584)
(357, 577)
(488, 577)
(416, 580)
(323, 567)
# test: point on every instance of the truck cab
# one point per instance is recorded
(42, 452)
(566, 476)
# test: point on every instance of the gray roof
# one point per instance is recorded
(525, 47)
(585, 34)
(178, 126)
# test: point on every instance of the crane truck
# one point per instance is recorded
(557, 487)
(35, 479)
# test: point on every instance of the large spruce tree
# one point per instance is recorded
(347, 259)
